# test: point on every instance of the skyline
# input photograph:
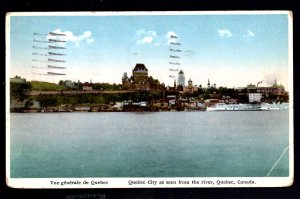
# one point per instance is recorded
(230, 50)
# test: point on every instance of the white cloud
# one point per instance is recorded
(224, 33)
(89, 41)
(146, 37)
(152, 38)
(250, 33)
(69, 36)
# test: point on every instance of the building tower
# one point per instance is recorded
(125, 81)
(275, 82)
(190, 86)
(208, 84)
(190, 83)
(125, 77)
(181, 78)
(140, 73)
(140, 77)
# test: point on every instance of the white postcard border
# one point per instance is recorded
(148, 182)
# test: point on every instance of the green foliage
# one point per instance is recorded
(205, 96)
(152, 80)
(17, 90)
(106, 86)
(46, 101)
(56, 100)
(37, 85)
(69, 84)
(61, 82)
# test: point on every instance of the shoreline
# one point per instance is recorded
(108, 111)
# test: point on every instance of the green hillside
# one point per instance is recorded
(37, 85)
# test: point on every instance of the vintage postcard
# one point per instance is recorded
(149, 99)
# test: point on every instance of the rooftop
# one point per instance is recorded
(140, 67)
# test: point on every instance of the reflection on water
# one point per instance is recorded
(160, 144)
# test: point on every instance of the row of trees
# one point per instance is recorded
(68, 84)
(56, 100)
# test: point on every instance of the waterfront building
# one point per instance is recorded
(181, 78)
(275, 89)
(255, 97)
(266, 91)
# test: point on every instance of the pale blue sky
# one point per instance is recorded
(230, 50)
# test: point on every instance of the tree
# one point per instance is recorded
(61, 83)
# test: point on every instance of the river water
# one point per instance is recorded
(150, 144)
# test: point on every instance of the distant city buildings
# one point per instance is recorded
(275, 91)
(211, 86)
(139, 92)
(190, 88)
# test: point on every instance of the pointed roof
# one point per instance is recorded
(180, 72)
(140, 67)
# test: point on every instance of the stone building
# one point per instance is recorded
(126, 82)
(190, 88)
(139, 79)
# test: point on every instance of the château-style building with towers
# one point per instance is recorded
(140, 79)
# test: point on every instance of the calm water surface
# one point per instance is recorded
(155, 144)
